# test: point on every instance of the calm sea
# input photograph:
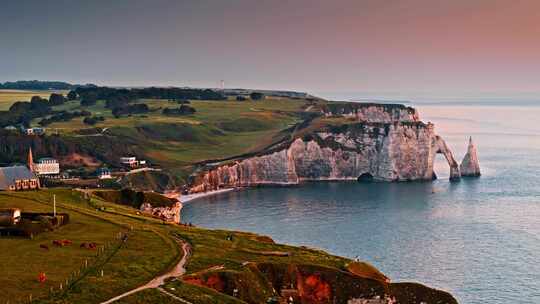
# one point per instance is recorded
(478, 239)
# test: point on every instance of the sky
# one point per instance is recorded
(383, 48)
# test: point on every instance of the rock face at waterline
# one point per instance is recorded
(470, 165)
(383, 143)
(169, 214)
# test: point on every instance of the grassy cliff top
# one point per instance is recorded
(226, 258)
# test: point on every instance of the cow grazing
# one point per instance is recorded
(62, 243)
(89, 245)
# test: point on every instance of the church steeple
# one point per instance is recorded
(30, 160)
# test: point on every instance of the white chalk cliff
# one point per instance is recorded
(169, 214)
(470, 165)
(385, 143)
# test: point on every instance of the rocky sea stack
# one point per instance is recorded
(470, 165)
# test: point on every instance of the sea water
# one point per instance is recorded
(478, 239)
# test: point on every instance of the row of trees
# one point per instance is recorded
(183, 110)
(22, 112)
(36, 85)
(64, 116)
(117, 97)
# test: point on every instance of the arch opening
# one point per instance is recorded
(441, 148)
(365, 178)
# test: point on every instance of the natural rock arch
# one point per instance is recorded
(439, 146)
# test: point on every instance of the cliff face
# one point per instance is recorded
(167, 213)
(470, 165)
(400, 151)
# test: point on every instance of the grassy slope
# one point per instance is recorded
(150, 250)
(218, 129)
(147, 252)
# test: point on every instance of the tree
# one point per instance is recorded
(139, 108)
(56, 99)
(89, 99)
(183, 110)
(93, 120)
(72, 95)
(37, 99)
(256, 96)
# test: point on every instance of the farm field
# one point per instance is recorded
(134, 262)
(8, 97)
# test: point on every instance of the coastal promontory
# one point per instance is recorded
(352, 141)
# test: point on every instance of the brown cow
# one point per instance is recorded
(44, 246)
(89, 245)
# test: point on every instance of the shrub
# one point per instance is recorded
(93, 120)
(183, 110)
(130, 109)
(256, 96)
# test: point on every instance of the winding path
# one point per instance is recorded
(156, 282)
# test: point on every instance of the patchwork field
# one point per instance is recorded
(8, 97)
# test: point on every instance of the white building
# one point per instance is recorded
(47, 166)
(130, 161)
(34, 131)
(104, 173)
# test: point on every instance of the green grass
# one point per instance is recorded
(200, 295)
(148, 296)
(58, 263)
(147, 252)
(150, 250)
(219, 129)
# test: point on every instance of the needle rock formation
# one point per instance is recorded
(470, 165)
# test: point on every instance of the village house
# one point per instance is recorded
(34, 131)
(104, 173)
(44, 167)
(129, 161)
(47, 166)
(18, 178)
(132, 162)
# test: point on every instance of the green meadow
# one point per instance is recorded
(151, 249)
(218, 129)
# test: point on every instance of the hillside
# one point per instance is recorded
(175, 142)
(222, 266)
